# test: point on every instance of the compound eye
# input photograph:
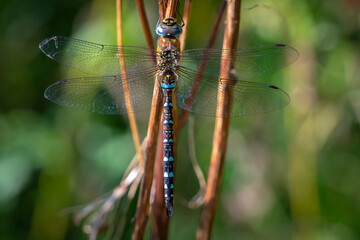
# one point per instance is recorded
(161, 30)
(177, 30)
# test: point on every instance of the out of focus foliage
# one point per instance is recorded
(291, 174)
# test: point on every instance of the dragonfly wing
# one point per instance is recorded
(103, 95)
(248, 97)
(95, 58)
(250, 62)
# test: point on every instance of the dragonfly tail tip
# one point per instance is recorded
(169, 209)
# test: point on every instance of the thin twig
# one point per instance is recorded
(185, 114)
(171, 8)
(145, 24)
(221, 124)
(186, 15)
(143, 201)
(162, 7)
(160, 222)
(144, 194)
(129, 107)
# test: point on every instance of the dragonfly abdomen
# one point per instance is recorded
(168, 79)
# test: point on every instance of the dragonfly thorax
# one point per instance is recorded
(168, 60)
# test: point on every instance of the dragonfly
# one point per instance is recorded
(175, 71)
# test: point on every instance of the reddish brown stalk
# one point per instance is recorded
(162, 6)
(171, 7)
(221, 125)
(145, 24)
(185, 114)
(187, 9)
(160, 223)
(145, 189)
(153, 129)
(129, 107)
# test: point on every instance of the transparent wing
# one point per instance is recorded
(248, 97)
(103, 95)
(250, 62)
(96, 58)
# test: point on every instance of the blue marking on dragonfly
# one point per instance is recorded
(168, 86)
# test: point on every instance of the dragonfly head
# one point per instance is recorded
(168, 28)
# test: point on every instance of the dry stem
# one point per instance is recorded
(221, 125)
(187, 9)
(145, 24)
(144, 194)
(162, 6)
(131, 115)
(160, 222)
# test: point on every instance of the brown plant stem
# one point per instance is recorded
(160, 223)
(145, 24)
(171, 7)
(153, 129)
(221, 125)
(185, 114)
(131, 115)
(185, 17)
(162, 7)
(145, 189)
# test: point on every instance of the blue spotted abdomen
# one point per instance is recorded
(168, 84)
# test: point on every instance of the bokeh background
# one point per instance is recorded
(290, 174)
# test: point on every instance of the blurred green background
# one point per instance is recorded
(290, 174)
